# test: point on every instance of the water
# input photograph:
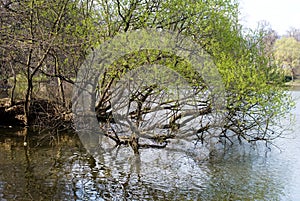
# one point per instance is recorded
(61, 169)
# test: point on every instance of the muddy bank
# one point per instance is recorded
(43, 115)
(11, 115)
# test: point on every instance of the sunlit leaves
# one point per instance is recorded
(287, 52)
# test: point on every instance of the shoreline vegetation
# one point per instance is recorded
(45, 112)
(45, 115)
(44, 44)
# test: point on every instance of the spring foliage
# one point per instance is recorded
(53, 38)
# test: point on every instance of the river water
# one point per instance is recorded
(61, 169)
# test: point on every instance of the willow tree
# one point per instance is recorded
(253, 96)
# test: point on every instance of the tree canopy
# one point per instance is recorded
(287, 54)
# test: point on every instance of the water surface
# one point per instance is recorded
(61, 169)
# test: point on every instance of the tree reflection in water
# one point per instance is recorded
(65, 171)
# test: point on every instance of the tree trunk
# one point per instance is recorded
(134, 143)
(60, 83)
(27, 102)
(12, 94)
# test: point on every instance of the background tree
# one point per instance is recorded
(287, 54)
(268, 37)
(294, 33)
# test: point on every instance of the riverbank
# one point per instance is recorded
(44, 114)
(11, 116)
